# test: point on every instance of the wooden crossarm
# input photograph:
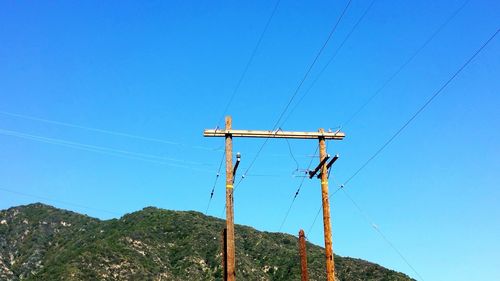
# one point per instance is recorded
(274, 134)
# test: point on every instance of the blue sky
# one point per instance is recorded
(164, 70)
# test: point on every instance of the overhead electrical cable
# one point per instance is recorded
(297, 89)
(384, 237)
(439, 91)
(313, 83)
(386, 82)
(318, 54)
(215, 182)
(292, 155)
(407, 62)
(106, 150)
(249, 62)
(398, 132)
(297, 192)
(109, 132)
(318, 212)
(448, 81)
(392, 76)
(431, 98)
(299, 86)
(237, 87)
(300, 186)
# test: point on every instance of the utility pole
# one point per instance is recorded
(228, 133)
(231, 259)
(330, 266)
(303, 256)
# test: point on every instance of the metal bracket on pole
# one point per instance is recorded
(329, 165)
(313, 173)
(238, 159)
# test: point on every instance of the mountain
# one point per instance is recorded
(39, 242)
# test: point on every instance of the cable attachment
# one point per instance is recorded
(216, 129)
(238, 160)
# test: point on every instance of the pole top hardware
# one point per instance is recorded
(330, 163)
(238, 160)
(313, 173)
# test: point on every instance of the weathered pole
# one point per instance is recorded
(228, 134)
(231, 271)
(330, 266)
(303, 256)
(224, 254)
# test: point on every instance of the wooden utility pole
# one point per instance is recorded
(228, 133)
(303, 256)
(224, 254)
(231, 259)
(330, 266)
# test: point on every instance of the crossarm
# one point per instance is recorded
(274, 134)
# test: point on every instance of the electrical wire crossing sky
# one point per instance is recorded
(103, 109)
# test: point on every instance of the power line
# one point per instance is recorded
(306, 75)
(318, 54)
(392, 77)
(434, 34)
(296, 193)
(313, 83)
(105, 150)
(422, 107)
(292, 155)
(215, 182)
(250, 60)
(238, 84)
(377, 229)
(103, 131)
(406, 62)
(414, 115)
(300, 186)
(456, 73)
(319, 211)
(299, 86)
(418, 111)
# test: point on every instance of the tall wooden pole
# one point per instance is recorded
(231, 263)
(228, 134)
(330, 266)
(303, 256)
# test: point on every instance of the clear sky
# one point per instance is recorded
(164, 70)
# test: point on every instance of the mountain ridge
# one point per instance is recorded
(41, 242)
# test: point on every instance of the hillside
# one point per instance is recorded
(39, 242)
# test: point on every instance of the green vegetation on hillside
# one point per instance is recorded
(39, 242)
